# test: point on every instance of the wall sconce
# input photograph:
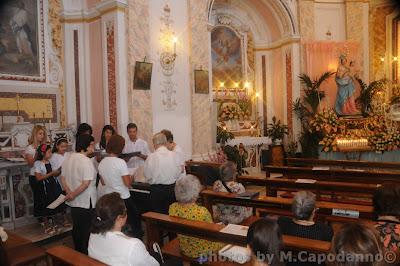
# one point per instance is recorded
(168, 43)
(395, 58)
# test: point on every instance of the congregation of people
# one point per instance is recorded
(96, 179)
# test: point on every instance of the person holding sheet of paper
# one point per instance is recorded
(135, 144)
(48, 187)
(78, 178)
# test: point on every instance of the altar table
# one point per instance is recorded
(252, 144)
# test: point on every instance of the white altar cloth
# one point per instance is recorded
(251, 143)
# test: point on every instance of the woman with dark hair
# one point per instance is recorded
(84, 129)
(386, 202)
(230, 214)
(107, 243)
(357, 244)
(115, 175)
(264, 239)
(78, 178)
(107, 132)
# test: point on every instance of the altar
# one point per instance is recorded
(387, 157)
(16, 201)
(253, 145)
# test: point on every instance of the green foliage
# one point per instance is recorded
(276, 130)
(312, 95)
(223, 135)
(306, 108)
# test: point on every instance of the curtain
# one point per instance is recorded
(322, 56)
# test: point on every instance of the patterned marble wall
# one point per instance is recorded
(138, 48)
(306, 25)
(306, 19)
(355, 26)
(202, 137)
(377, 41)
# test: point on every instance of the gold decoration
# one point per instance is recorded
(57, 42)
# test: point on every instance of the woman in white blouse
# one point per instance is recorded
(108, 244)
(38, 136)
(116, 177)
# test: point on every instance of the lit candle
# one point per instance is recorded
(174, 40)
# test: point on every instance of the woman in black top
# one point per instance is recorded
(303, 225)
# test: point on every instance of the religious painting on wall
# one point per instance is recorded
(21, 40)
(142, 78)
(201, 84)
(226, 53)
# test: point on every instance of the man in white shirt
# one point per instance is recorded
(172, 146)
(135, 144)
(161, 170)
(78, 178)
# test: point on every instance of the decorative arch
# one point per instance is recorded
(281, 7)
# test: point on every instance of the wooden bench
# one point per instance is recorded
(63, 255)
(282, 206)
(332, 188)
(341, 175)
(207, 172)
(21, 251)
(156, 223)
(301, 162)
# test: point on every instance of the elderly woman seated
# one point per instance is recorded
(187, 190)
(303, 225)
(387, 209)
(229, 213)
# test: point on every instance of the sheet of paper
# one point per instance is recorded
(236, 253)
(235, 229)
(306, 181)
(321, 168)
(355, 169)
(57, 202)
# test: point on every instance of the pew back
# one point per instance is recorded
(63, 255)
(156, 222)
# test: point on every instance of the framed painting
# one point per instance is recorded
(201, 84)
(142, 77)
(226, 57)
(22, 41)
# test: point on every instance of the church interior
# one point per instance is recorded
(188, 132)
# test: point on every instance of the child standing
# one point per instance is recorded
(48, 187)
(59, 154)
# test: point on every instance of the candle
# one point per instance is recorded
(174, 40)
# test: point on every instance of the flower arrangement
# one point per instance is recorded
(234, 112)
(331, 127)
(384, 141)
(326, 121)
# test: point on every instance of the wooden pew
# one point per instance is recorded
(207, 172)
(282, 206)
(331, 188)
(301, 162)
(341, 175)
(21, 251)
(63, 255)
(157, 223)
